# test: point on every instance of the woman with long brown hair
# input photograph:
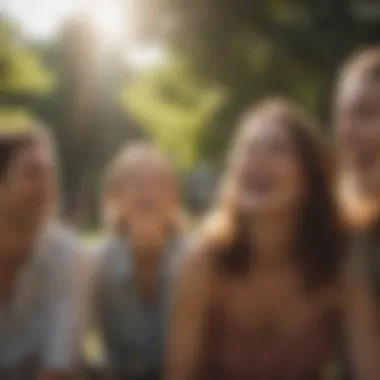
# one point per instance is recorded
(259, 295)
(357, 113)
(142, 212)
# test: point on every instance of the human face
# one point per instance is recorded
(268, 171)
(147, 198)
(358, 127)
(26, 191)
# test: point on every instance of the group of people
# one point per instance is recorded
(280, 282)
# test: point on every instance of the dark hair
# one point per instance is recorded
(319, 245)
(16, 136)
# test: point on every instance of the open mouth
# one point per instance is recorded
(259, 187)
(147, 207)
(365, 160)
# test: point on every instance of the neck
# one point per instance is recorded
(147, 245)
(14, 236)
(273, 237)
(360, 209)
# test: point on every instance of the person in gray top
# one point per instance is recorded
(137, 261)
(40, 312)
(357, 112)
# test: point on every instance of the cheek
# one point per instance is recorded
(293, 182)
(127, 202)
(167, 200)
(355, 130)
(22, 190)
(39, 191)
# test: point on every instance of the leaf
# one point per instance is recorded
(173, 108)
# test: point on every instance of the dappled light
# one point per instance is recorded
(127, 125)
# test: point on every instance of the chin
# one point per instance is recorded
(369, 190)
(35, 217)
(254, 207)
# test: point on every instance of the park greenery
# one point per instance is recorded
(220, 58)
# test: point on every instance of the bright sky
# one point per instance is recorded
(41, 20)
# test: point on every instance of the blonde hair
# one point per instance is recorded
(364, 64)
(358, 211)
(114, 177)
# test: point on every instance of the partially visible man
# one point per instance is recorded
(40, 305)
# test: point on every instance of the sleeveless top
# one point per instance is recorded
(36, 325)
(235, 352)
(132, 331)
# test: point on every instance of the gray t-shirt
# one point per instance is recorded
(39, 326)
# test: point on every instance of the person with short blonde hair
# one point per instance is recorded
(142, 212)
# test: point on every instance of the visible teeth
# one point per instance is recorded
(259, 186)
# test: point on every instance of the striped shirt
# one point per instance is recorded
(37, 326)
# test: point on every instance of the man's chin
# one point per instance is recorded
(30, 221)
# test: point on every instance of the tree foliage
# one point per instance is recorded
(250, 50)
(21, 71)
(173, 106)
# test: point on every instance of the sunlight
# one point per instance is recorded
(145, 56)
(113, 20)
(110, 20)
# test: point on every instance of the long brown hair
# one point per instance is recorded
(319, 236)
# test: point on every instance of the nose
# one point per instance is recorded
(348, 133)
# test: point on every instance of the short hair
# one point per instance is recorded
(116, 172)
(17, 135)
(364, 65)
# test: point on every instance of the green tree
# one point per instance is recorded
(172, 106)
(22, 75)
(253, 49)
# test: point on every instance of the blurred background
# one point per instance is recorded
(101, 73)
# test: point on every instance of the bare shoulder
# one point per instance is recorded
(199, 254)
(196, 267)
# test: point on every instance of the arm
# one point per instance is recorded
(191, 296)
(95, 350)
(362, 325)
(66, 312)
